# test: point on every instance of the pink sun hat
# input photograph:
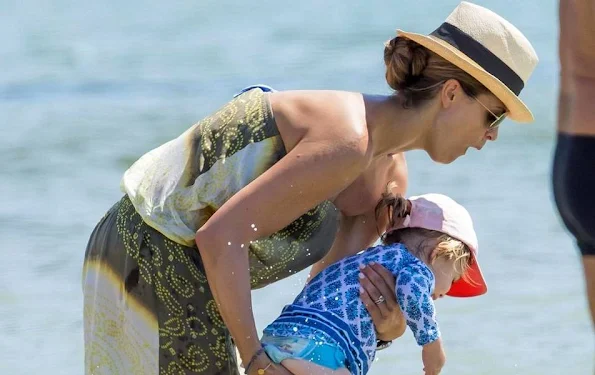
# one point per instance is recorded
(441, 213)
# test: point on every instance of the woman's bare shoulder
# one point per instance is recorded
(320, 115)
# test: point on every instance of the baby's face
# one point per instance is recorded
(445, 275)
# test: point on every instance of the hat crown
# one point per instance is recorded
(497, 35)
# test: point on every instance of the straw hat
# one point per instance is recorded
(489, 48)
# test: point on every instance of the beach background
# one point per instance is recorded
(88, 87)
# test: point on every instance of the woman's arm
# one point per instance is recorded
(356, 233)
(359, 232)
(310, 173)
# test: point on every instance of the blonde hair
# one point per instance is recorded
(415, 72)
(453, 249)
(446, 246)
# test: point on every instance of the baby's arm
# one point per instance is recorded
(414, 293)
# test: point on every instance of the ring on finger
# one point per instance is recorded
(379, 300)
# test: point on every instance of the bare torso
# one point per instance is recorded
(577, 59)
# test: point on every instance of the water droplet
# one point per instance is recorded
(242, 245)
(336, 298)
(252, 225)
(294, 329)
(255, 229)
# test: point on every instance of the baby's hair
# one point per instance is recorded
(447, 246)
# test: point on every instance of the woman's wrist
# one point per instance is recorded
(260, 364)
(395, 330)
(388, 336)
(253, 359)
(382, 344)
(249, 350)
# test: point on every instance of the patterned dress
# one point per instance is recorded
(148, 308)
(329, 310)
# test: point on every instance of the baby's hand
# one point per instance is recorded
(433, 357)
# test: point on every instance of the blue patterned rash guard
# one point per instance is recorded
(330, 310)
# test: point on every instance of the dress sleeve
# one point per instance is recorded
(414, 293)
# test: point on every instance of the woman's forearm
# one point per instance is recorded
(354, 234)
(309, 174)
(228, 273)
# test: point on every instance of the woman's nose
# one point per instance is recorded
(492, 134)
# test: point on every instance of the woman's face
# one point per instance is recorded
(463, 122)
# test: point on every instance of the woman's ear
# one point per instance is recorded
(449, 92)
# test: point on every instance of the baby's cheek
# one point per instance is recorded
(441, 288)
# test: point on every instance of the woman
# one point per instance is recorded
(268, 184)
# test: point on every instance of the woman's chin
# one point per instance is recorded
(444, 158)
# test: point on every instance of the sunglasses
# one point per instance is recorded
(493, 120)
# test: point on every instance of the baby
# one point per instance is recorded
(431, 250)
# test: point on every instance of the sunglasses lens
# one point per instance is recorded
(498, 121)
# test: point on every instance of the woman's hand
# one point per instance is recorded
(386, 314)
(263, 362)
